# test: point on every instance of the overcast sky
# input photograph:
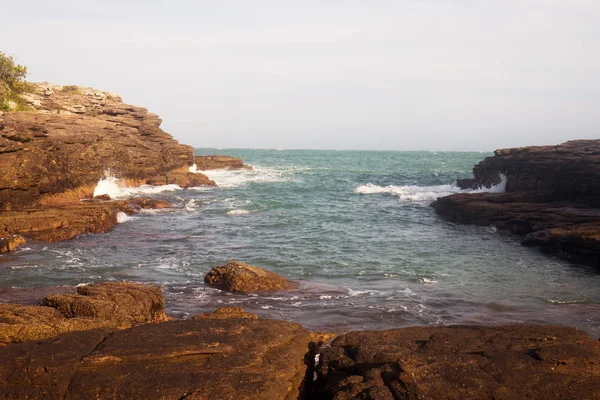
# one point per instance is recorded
(401, 75)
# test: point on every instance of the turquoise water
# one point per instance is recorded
(354, 227)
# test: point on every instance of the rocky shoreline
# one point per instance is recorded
(114, 340)
(552, 198)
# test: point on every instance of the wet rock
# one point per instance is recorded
(102, 305)
(460, 362)
(73, 137)
(239, 277)
(226, 313)
(11, 242)
(204, 163)
(182, 179)
(552, 198)
(192, 359)
(103, 197)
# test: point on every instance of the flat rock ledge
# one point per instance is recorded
(236, 276)
(116, 305)
(204, 163)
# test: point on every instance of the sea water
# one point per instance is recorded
(354, 227)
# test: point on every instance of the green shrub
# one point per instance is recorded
(12, 83)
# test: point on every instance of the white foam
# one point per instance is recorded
(426, 193)
(427, 280)
(122, 217)
(234, 178)
(112, 186)
(238, 212)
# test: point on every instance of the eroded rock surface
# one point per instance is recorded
(103, 305)
(552, 198)
(232, 359)
(204, 163)
(461, 362)
(236, 276)
(11, 242)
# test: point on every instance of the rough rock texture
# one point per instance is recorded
(461, 362)
(11, 242)
(569, 171)
(108, 304)
(232, 359)
(204, 163)
(552, 199)
(73, 137)
(239, 277)
(182, 179)
(66, 221)
(226, 313)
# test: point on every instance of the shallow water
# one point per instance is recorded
(354, 227)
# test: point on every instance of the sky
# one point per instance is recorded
(330, 74)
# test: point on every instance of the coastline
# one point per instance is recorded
(351, 364)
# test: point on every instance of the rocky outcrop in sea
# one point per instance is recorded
(552, 198)
(54, 155)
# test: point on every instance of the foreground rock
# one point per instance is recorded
(461, 362)
(116, 305)
(239, 277)
(552, 199)
(204, 163)
(193, 359)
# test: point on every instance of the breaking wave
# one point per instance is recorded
(117, 190)
(425, 193)
(234, 178)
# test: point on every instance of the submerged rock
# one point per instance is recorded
(102, 305)
(192, 359)
(236, 276)
(461, 362)
(204, 163)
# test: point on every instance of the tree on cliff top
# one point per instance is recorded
(12, 83)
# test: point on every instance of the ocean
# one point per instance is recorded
(354, 227)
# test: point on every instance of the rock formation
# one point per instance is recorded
(204, 163)
(103, 305)
(461, 362)
(53, 156)
(239, 277)
(236, 358)
(552, 198)
(11, 242)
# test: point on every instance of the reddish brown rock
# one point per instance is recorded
(239, 277)
(226, 313)
(552, 200)
(461, 362)
(204, 163)
(11, 242)
(194, 359)
(182, 179)
(115, 305)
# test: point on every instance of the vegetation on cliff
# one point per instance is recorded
(12, 84)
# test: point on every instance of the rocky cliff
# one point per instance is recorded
(552, 198)
(53, 155)
(72, 137)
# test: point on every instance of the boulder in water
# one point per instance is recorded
(236, 276)
(11, 242)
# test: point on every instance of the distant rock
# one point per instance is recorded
(204, 163)
(239, 277)
(11, 242)
(115, 305)
(461, 362)
(552, 198)
(182, 179)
